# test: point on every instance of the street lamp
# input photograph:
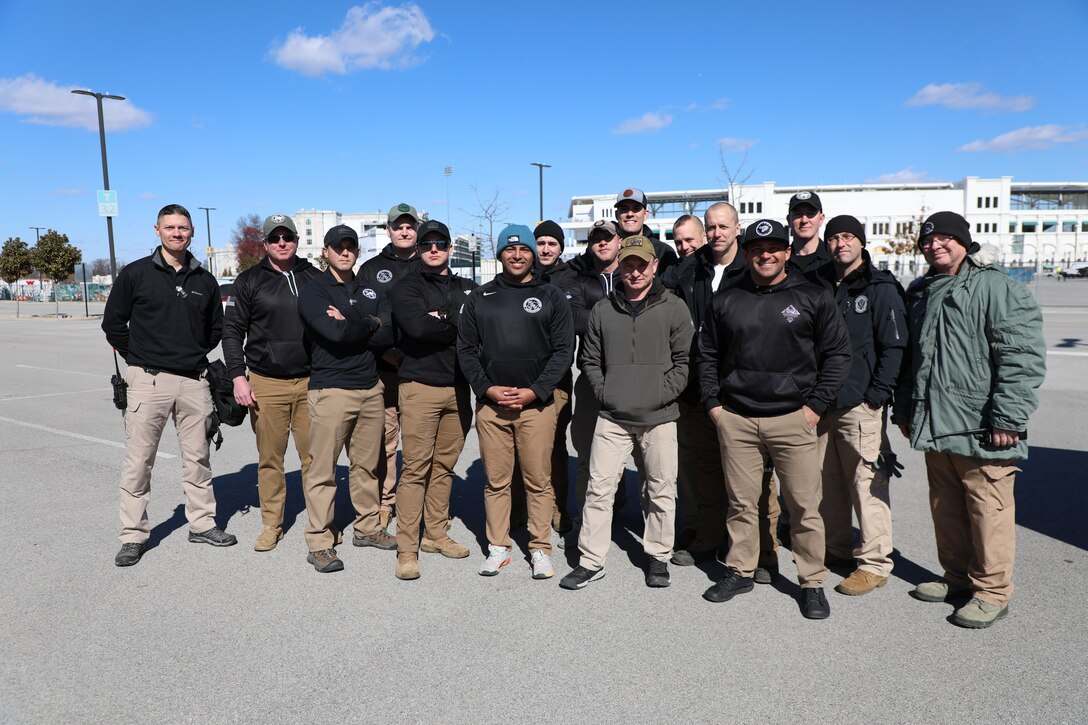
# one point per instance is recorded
(37, 233)
(541, 167)
(208, 218)
(105, 168)
(448, 172)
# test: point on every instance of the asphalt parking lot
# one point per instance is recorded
(196, 633)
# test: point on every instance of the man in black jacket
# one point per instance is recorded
(347, 324)
(806, 216)
(631, 216)
(163, 316)
(852, 430)
(515, 342)
(262, 314)
(381, 273)
(434, 399)
(767, 375)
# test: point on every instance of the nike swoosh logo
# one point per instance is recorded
(486, 294)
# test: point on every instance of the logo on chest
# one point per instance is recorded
(532, 305)
(369, 294)
(790, 313)
(861, 304)
(384, 276)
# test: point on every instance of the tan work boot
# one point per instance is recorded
(860, 582)
(383, 519)
(977, 614)
(407, 566)
(447, 547)
(268, 538)
(938, 591)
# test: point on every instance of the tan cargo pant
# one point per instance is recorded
(152, 399)
(528, 434)
(792, 447)
(387, 465)
(582, 427)
(612, 444)
(339, 419)
(849, 443)
(435, 422)
(974, 520)
(282, 411)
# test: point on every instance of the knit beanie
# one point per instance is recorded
(845, 223)
(548, 228)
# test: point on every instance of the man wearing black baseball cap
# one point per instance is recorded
(806, 216)
(631, 215)
(766, 377)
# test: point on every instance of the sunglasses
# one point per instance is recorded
(288, 237)
(441, 244)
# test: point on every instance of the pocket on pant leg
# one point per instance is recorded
(869, 427)
(999, 476)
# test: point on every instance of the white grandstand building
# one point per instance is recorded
(1034, 224)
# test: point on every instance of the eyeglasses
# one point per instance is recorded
(288, 237)
(440, 244)
(936, 239)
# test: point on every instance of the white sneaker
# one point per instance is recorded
(497, 558)
(542, 565)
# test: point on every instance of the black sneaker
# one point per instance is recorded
(214, 536)
(129, 554)
(657, 574)
(325, 561)
(728, 587)
(580, 576)
(814, 604)
(380, 540)
(691, 556)
(765, 574)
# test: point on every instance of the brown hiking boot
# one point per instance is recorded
(379, 540)
(860, 582)
(268, 538)
(447, 547)
(325, 561)
(407, 566)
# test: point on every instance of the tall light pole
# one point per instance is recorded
(105, 168)
(37, 233)
(541, 167)
(208, 218)
(448, 172)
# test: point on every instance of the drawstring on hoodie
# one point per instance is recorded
(291, 283)
(607, 284)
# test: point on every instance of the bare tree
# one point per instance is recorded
(905, 240)
(736, 177)
(490, 210)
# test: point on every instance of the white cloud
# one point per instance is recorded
(147, 196)
(70, 192)
(903, 176)
(737, 144)
(968, 96)
(371, 36)
(648, 122)
(1030, 138)
(721, 104)
(50, 104)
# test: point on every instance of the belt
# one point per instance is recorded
(192, 375)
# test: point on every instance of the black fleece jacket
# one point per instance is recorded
(767, 351)
(518, 335)
(263, 312)
(382, 273)
(344, 350)
(156, 317)
(429, 343)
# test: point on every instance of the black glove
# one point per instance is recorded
(889, 463)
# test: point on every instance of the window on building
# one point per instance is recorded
(995, 202)
(987, 202)
(1050, 226)
(1012, 227)
(980, 202)
(307, 222)
(1069, 226)
(1030, 227)
(1084, 226)
(978, 227)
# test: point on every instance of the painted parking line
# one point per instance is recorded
(77, 436)
(1067, 353)
(55, 395)
(54, 370)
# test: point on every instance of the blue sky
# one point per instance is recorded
(275, 106)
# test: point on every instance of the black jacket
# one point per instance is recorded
(158, 318)
(693, 281)
(586, 287)
(381, 273)
(518, 335)
(344, 350)
(263, 312)
(810, 262)
(767, 351)
(871, 302)
(429, 343)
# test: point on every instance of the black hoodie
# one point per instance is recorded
(766, 351)
(516, 335)
(263, 311)
(381, 273)
(429, 342)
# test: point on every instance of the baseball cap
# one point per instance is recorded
(603, 226)
(278, 220)
(637, 246)
(433, 225)
(400, 210)
(806, 197)
(636, 195)
(516, 234)
(766, 229)
(339, 232)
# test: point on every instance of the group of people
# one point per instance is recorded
(741, 367)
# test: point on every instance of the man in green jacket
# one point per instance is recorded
(977, 359)
(635, 357)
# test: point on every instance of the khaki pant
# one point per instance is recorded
(435, 422)
(791, 445)
(612, 444)
(528, 434)
(387, 465)
(849, 444)
(151, 400)
(339, 419)
(582, 426)
(974, 520)
(282, 410)
(560, 472)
